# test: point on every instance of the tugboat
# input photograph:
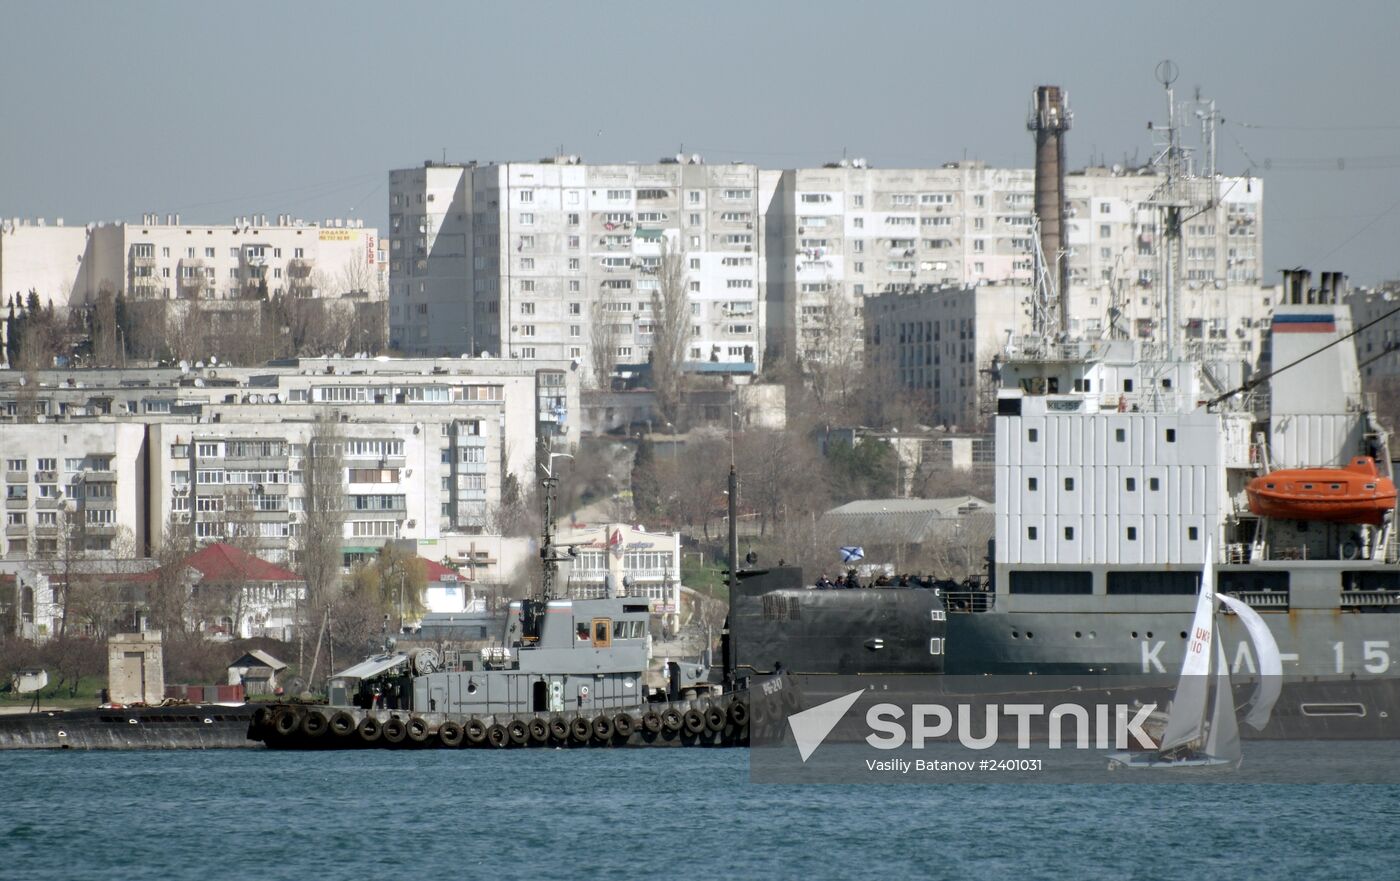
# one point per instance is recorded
(569, 672)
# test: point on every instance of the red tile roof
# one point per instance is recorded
(221, 562)
(433, 571)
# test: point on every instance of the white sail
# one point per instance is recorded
(1187, 716)
(1223, 741)
(1270, 663)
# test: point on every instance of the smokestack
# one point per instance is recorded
(1049, 120)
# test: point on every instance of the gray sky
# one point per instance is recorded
(214, 109)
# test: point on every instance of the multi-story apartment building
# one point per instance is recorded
(74, 488)
(839, 234)
(941, 344)
(1377, 346)
(249, 258)
(426, 445)
(547, 259)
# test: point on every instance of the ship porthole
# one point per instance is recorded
(208, 721)
(1078, 635)
(1092, 634)
(1183, 634)
(131, 721)
(62, 733)
(1015, 635)
(1135, 636)
(1030, 635)
(1149, 634)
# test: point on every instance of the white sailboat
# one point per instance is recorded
(1201, 730)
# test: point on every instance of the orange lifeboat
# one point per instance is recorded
(1353, 494)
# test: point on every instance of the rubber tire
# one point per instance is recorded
(651, 722)
(539, 730)
(369, 730)
(475, 731)
(395, 731)
(518, 732)
(342, 724)
(624, 724)
(417, 730)
(285, 722)
(792, 701)
(580, 729)
(671, 720)
(759, 716)
(694, 721)
(739, 713)
(558, 728)
(715, 717)
(313, 724)
(496, 736)
(603, 728)
(450, 735)
(262, 718)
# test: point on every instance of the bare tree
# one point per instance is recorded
(601, 350)
(834, 338)
(319, 544)
(671, 321)
(168, 596)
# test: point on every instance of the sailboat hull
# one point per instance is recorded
(1154, 761)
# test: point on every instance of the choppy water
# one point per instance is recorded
(665, 814)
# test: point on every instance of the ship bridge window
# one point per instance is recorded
(629, 630)
(1051, 582)
(602, 632)
(583, 630)
(1153, 583)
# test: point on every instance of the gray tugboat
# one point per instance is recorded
(568, 672)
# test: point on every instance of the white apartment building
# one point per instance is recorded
(157, 259)
(426, 445)
(73, 488)
(841, 233)
(545, 259)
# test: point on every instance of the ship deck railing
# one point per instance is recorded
(1261, 599)
(1371, 600)
(969, 602)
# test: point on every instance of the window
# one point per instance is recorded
(1069, 484)
(1132, 533)
(527, 195)
(527, 218)
(1120, 435)
(1032, 533)
(1033, 484)
(1130, 484)
(1032, 435)
(1069, 533)
(16, 465)
(209, 252)
(1153, 484)
(1192, 533)
(1171, 435)
(46, 464)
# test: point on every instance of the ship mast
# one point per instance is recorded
(550, 557)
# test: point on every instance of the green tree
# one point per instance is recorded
(646, 483)
(865, 471)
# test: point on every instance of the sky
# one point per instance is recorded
(214, 110)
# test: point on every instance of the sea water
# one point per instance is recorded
(646, 814)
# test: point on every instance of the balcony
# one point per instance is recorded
(46, 477)
(99, 477)
(16, 504)
(16, 476)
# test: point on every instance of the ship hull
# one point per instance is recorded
(197, 726)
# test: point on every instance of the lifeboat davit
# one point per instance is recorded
(1356, 493)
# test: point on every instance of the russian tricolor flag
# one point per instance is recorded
(1305, 324)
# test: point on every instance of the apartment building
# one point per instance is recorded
(74, 488)
(165, 259)
(426, 445)
(940, 343)
(549, 259)
(840, 234)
